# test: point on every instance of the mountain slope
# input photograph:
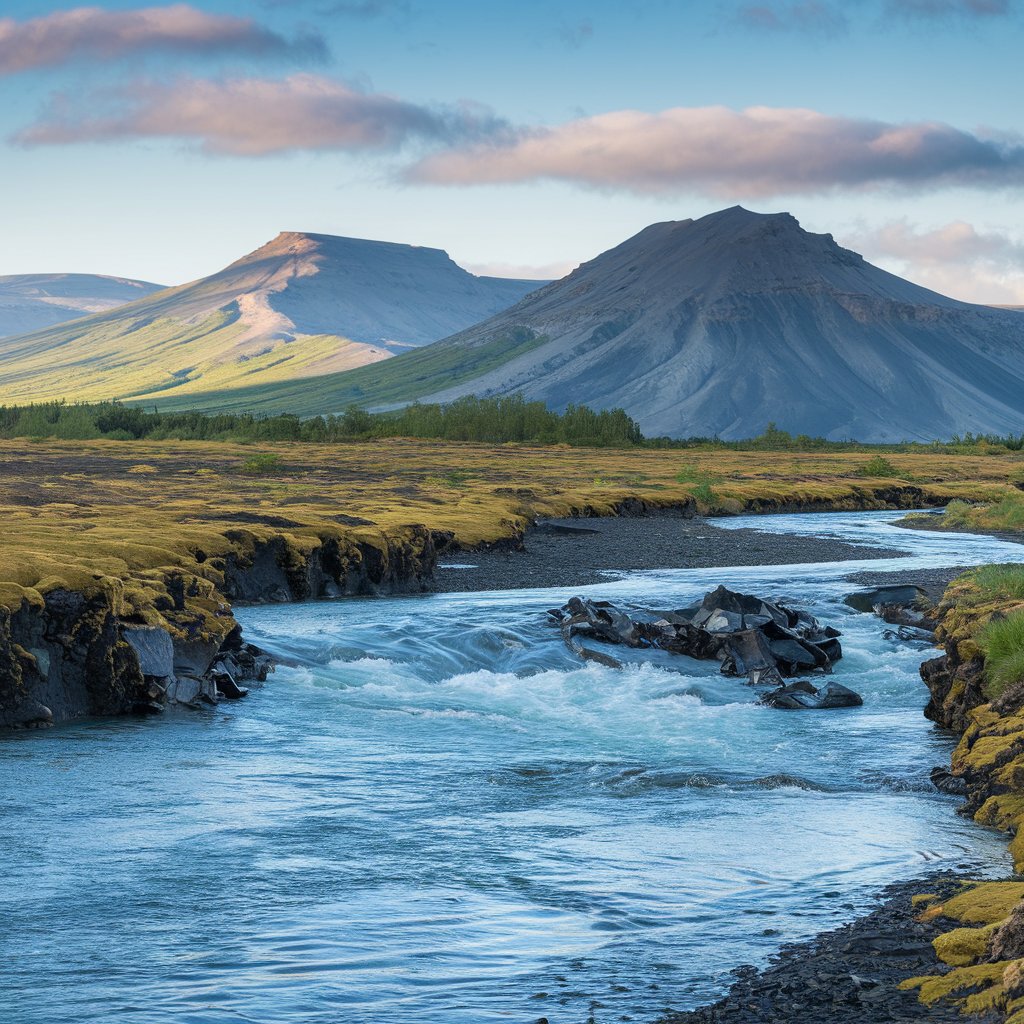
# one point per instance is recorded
(300, 306)
(718, 326)
(32, 302)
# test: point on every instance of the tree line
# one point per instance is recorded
(492, 420)
(488, 420)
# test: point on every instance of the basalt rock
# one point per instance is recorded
(70, 654)
(804, 696)
(750, 636)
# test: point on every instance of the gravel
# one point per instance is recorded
(850, 974)
(573, 552)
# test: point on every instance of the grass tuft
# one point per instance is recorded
(1002, 642)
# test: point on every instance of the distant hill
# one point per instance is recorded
(300, 306)
(717, 327)
(31, 302)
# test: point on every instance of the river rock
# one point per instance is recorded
(946, 782)
(907, 595)
(804, 696)
(749, 635)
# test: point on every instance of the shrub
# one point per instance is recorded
(877, 465)
(957, 514)
(705, 495)
(262, 464)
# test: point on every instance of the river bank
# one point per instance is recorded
(124, 559)
(581, 552)
(852, 973)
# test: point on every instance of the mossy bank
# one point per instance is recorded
(121, 559)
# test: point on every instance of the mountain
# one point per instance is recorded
(720, 326)
(31, 302)
(300, 306)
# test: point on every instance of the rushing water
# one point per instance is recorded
(435, 814)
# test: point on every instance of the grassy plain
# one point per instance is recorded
(91, 513)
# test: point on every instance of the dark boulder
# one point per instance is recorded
(946, 782)
(749, 635)
(908, 595)
(803, 696)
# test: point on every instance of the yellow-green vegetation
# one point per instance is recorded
(1006, 514)
(162, 357)
(132, 507)
(973, 600)
(124, 517)
(976, 983)
(1002, 642)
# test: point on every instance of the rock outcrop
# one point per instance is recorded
(74, 653)
(749, 636)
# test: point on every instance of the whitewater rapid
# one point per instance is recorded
(433, 813)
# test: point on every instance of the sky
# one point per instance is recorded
(162, 142)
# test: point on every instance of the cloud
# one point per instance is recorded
(955, 259)
(752, 153)
(937, 9)
(524, 271)
(97, 34)
(812, 16)
(258, 116)
(575, 35)
(364, 8)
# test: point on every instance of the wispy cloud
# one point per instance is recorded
(832, 18)
(524, 271)
(938, 9)
(576, 34)
(957, 259)
(96, 34)
(757, 152)
(258, 116)
(812, 16)
(364, 8)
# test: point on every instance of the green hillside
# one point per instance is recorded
(393, 381)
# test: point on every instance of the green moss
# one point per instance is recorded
(963, 946)
(958, 983)
(984, 903)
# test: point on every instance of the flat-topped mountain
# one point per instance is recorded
(31, 302)
(722, 325)
(302, 305)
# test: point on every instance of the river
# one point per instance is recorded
(435, 815)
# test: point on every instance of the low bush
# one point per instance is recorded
(878, 465)
(262, 464)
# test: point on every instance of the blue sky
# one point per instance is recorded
(164, 141)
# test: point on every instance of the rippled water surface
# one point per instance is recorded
(435, 814)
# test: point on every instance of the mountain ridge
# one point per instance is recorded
(301, 305)
(721, 325)
(32, 302)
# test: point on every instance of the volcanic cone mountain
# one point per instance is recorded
(300, 306)
(722, 325)
(31, 302)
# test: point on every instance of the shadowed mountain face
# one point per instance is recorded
(720, 325)
(31, 302)
(300, 306)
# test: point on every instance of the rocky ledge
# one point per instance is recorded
(96, 649)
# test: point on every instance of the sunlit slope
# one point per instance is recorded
(299, 307)
(33, 302)
(394, 382)
(718, 327)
